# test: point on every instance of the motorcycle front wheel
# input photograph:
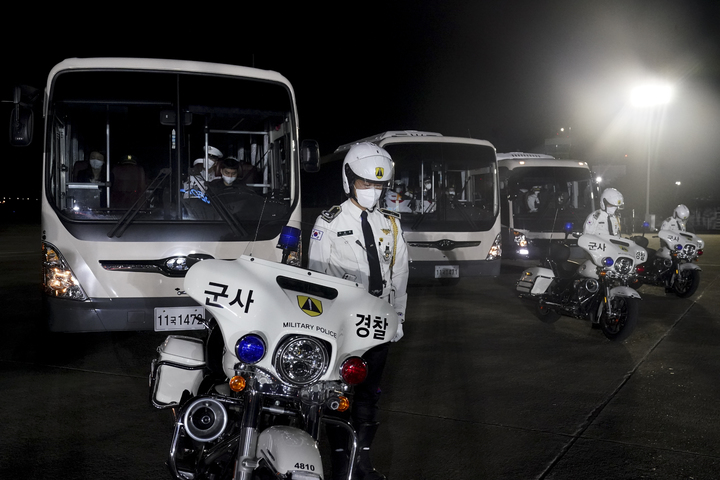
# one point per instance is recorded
(621, 324)
(686, 283)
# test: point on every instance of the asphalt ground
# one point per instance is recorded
(477, 389)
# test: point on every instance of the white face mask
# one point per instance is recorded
(228, 180)
(94, 163)
(368, 197)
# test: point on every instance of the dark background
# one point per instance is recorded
(511, 72)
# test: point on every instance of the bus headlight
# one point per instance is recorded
(58, 279)
(496, 248)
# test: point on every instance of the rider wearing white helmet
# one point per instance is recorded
(677, 221)
(604, 221)
(349, 241)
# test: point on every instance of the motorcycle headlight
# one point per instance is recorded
(624, 265)
(301, 360)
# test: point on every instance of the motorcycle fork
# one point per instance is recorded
(606, 299)
(247, 461)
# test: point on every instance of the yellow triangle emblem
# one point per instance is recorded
(379, 172)
(309, 305)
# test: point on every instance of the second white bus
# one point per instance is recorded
(543, 198)
(446, 192)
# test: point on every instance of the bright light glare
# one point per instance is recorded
(651, 94)
(598, 179)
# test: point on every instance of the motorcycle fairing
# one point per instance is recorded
(289, 449)
(274, 300)
(614, 247)
(672, 238)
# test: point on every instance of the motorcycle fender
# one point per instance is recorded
(535, 280)
(623, 291)
(290, 450)
(688, 266)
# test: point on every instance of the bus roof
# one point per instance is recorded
(520, 159)
(118, 63)
(414, 136)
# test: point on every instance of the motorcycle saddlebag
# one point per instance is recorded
(180, 366)
(535, 280)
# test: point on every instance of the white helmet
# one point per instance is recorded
(682, 212)
(613, 199)
(367, 161)
(212, 151)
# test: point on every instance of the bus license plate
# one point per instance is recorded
(447, 271)
(178, 318)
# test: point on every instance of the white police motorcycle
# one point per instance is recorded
(672, 266)
(281, 353)
(596, 290)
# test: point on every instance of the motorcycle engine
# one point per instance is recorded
(585, 288)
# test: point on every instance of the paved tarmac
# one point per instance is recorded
(478, 388)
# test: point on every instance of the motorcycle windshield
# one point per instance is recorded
(259, 295)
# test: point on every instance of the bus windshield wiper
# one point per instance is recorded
(219, 207)
(123, 223)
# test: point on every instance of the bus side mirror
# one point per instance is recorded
(310, 156)
(21, 126)
(21, 121)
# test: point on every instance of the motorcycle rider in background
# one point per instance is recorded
(359, 229)
(604, 222)
(676, 222)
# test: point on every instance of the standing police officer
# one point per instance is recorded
(360, 242)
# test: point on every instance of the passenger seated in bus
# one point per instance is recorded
(397, 200)
(228, 183)
(94, 172)
(128, 182)
(532, 199)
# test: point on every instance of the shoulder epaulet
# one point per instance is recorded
(596, 214)
(330, 214)
(389, 213)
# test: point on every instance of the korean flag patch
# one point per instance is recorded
(316, 234)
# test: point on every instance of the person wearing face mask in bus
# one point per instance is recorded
(360, 242)
(227, 183)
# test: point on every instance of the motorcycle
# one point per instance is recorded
(596, 290)
(672, 265)
(281, 353)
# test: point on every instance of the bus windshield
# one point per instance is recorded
(447, 187)
(547, 198)
(129, 150)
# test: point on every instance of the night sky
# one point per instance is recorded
(511, 72)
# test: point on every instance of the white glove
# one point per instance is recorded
(399, 333)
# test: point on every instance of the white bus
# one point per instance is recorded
(543, 198)
(446, 192)
(127, 205)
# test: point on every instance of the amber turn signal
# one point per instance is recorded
(237, 383)
(344, 404)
